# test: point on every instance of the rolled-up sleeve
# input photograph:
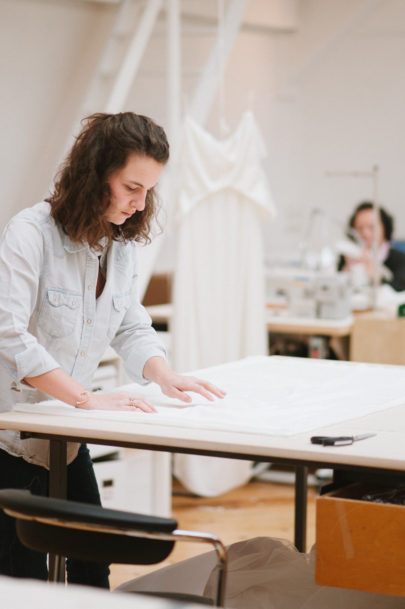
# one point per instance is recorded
(21, 261)
(136, 341)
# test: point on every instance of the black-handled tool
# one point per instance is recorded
(339, 440)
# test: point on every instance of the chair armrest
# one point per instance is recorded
(22, 504)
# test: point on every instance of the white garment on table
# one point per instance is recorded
(218, 292)
(36, 594)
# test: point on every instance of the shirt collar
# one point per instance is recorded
(75, 246)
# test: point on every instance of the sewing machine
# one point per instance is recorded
(307, 293)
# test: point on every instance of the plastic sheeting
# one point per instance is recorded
(268, 573)
(219, 273)
(263, 573)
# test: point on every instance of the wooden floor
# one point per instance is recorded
(256, 509)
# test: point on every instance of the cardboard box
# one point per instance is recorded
(360, 544)
(378, 337)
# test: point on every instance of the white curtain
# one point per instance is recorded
(218, 294)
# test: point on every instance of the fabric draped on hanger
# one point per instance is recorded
(218, 293)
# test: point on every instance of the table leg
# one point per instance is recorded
(57, 469)
(57, 489)
(300, 531)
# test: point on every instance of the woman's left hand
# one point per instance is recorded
(176, 386)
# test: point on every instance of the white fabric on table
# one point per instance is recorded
(218, 292)
(274, 395)
(34, 594)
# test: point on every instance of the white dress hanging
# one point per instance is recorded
(218, 293)
(219, 281)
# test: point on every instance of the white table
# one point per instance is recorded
(383, 453)
(277, 320)
(16, 594)
(280, 321)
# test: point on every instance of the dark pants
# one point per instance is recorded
(17, 560)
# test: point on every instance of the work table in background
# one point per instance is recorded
(365, 336)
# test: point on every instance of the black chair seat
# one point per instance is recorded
(81, 543)
(92, 533)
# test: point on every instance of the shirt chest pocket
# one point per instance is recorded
(60, 312)
(120, 305)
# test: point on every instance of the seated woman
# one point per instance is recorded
(390, 267)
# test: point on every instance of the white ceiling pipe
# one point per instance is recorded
(129, 67)
(215, 66)
(167, 183)
(173, 69)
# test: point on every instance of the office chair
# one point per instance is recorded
(90, 532)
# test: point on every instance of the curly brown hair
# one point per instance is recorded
(81, 193)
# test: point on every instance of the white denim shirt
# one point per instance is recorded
(50, 317)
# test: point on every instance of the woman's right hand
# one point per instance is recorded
(57, 384)
(122, 400)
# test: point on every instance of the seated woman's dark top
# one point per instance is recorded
(395, 262)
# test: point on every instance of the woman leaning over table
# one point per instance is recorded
(68, 270)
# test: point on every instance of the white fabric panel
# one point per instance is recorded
(218, 292)
(219, 287)
(273, 395)
(36, 594)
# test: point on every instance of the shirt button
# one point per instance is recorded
(89, 287)
(89, 321)
(82, 353)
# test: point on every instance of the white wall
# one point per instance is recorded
(340, 108)
(47, 50)
(328, 97)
